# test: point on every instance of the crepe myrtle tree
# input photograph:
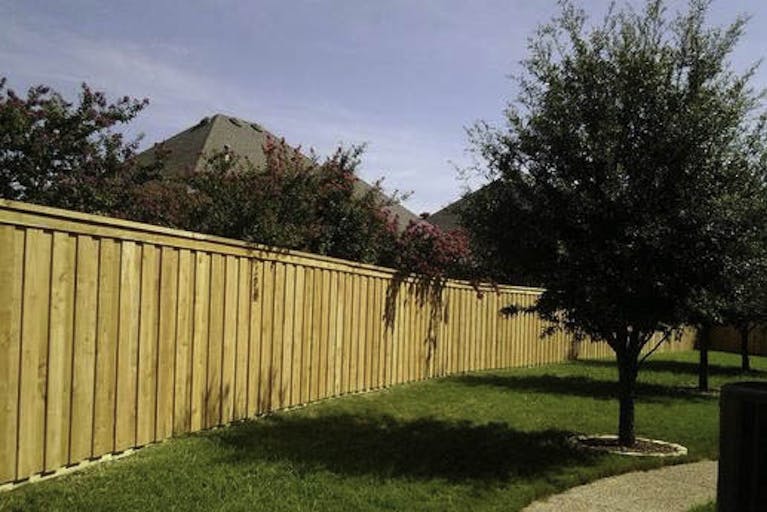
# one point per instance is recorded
(299, 202)
(290, 201)
(69, 154)
(628, 178)
(434, 253)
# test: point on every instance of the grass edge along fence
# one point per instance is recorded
(116, 334)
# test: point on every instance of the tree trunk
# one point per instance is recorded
(745, 364)
(703, 366)
(627, 375)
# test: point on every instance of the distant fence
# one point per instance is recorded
(727, 339)
(115, 334)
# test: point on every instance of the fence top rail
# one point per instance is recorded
(44, 217)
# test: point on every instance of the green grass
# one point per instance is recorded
(485, 441)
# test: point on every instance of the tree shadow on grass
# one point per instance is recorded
(580, 386)
(680, 367)
(389, 448)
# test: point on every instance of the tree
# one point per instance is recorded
(300, 203)
(435, 254)
(745, 305)
(748, 307)
(631, 167)
(56, 153)
(502, 254)
(291, 202)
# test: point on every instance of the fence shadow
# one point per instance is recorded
(580, 387)
(389, 448)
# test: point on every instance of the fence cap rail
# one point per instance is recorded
(29, 215)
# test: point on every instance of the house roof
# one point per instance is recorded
(448, 218)
(188, 149)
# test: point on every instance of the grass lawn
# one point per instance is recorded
(484, 441)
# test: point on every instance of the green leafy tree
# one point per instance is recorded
(502, 254)
(628, 180)
(747, 309)
(744, 306)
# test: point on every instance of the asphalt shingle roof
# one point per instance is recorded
(187, 151)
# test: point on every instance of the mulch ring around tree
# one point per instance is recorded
(643, 447)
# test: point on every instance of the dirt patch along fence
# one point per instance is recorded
(115, 334)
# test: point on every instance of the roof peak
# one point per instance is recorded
(236, 121)
(219, 131)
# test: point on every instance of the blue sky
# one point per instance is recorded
(405, 77)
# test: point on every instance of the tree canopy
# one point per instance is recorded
(628, 180)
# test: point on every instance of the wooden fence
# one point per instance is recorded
(727, 339)
(115, 334)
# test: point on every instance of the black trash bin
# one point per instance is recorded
(742, 483)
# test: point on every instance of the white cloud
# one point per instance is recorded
(408, 159)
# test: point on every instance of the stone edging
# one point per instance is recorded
(679, 450)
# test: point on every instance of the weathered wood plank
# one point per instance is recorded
(242, 350)
(127, 347)
(278, 325)
(354, 335)
(375, 323)
(287, 335)
(267, 372)
(406, 335)
(409, 336)
(147, 358)
(84, 357)
(309, 336)
(460, 335)
(106, 346)
(519, 345)
(61, 328)
(332, 345)
(388, 341)
(395, 298)
(182, 407)
(34, 352)
(472, 333)
(362, 335)
(348, 324)
(200, 336)
(215, 341)
(254, 369)
(11, 289)
(320, 318)
(229, 345)
(166, 350)
(298, 340)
